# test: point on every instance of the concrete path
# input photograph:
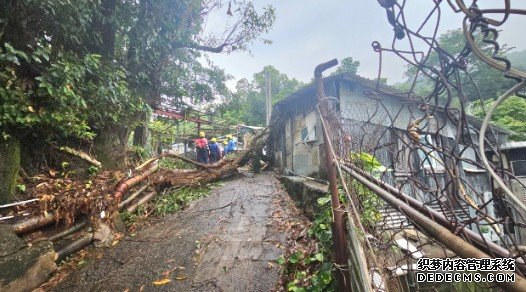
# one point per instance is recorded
(228, 241)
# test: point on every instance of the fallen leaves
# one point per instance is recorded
(161, 282)
(166, 276)
(67, 198)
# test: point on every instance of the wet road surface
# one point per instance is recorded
(227, 241)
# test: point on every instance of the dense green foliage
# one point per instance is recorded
(69, 97)
(69, 70)
(347, 65)
(162, 132)
(368, 202)
(313, 271)
(89, 72)
(511, 114)
(485, 82)
(247, 104)
(171, 201)
(175, 200)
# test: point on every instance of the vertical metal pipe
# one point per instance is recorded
(338, 234)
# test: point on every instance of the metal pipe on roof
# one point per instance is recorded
(338, 238)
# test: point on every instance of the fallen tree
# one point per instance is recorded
(166, 178)
(64, 199)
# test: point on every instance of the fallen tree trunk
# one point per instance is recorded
(32, 224)
(74, 247)
(164, 179)
(133, 196)
(142, 201)
(123, 187)
(209, 173)
(69, 231)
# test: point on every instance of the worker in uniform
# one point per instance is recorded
(215, 152)
(231, 147)
(225, 146)
(201, 147)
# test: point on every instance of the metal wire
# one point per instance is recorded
(430, 147)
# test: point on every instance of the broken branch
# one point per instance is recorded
(123, 187)
(74, 247)
(142, 201)
(81, 154)
(32, 224)
(69, 231)
(133, 196)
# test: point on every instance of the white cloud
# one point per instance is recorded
(309, 32)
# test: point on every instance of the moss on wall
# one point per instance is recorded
(9, 165)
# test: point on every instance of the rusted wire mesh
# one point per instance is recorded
(429, 147)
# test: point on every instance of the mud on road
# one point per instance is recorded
(226, 241)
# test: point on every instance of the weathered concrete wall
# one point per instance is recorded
(23, 267)
(305, 158)
(305, 192)
(520, 192)
(356, 106)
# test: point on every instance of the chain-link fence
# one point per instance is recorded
(424, 148)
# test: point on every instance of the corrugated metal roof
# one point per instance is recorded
(513, 145)
(369, 84)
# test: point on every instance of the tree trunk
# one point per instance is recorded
(142, 136)
(9, 166)
(110, 146)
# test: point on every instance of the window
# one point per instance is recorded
(308, 134)
(304, 134)
(519, 167)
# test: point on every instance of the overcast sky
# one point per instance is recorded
(309, 32)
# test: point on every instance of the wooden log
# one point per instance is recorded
(32, 224)
(81, 155)
(74, 247)
(133, 196)
(142, 201)
(123, 187)
(68, 231)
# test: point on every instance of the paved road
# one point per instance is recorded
(227, 241)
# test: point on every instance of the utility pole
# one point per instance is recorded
(268, 96)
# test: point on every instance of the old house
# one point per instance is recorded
(386, 123)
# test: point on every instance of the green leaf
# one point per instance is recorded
(9, 48)
(319, 257)
(21, 188)
(324, 200)
(23, 55)
(295, 257)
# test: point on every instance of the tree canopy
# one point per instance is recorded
(347, 65)
(479, 80)
(247, 104)
(88, 72)
(69, 69)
